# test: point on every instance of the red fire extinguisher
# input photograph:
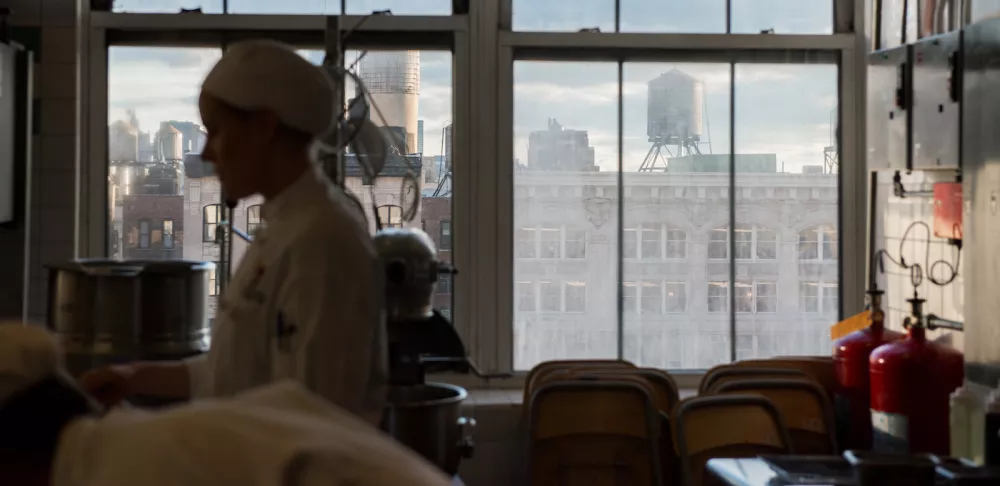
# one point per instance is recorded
(911, 381)
(850, 358)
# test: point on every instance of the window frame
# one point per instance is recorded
(444, 229)
(254, 210)
(171, 233)
(484, 50)
(206, 224)
(148, 235)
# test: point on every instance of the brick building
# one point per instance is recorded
(152, 227)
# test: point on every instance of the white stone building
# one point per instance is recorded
(676, 269)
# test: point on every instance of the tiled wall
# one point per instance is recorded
(49, 28)
(894, 215)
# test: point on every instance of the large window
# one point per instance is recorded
(657, 196)
(682, 220)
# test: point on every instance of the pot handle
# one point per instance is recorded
(466, 446)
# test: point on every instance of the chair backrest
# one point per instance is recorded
(732, 372)
(545, 367)
(593, 432)
(819, 369)
(707, 427)
(662, 389)
(803, 405)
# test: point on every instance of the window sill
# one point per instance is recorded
(514, 398)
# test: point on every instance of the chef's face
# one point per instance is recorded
(238, 145)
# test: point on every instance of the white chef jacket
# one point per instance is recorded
(278, 435)
(304, 304)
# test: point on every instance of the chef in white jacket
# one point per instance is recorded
(305, 302)
(53, 434)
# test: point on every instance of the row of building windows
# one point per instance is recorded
(660, 242)
(712, 193)
(661, 297)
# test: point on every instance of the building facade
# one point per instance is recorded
(675, 282)
(153, 227)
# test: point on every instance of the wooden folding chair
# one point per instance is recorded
(730, 373)
(804, 407)
(546, 367)
(818, 368)
(665, 397)
(708, 427)
(593, 433)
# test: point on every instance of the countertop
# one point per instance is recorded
(757, 472)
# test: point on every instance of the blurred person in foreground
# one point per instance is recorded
(52, 433)
(305, 303)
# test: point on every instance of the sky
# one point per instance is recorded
(782, 109)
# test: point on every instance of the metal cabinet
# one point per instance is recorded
(981, 185)
(937, 102)
(889, 116)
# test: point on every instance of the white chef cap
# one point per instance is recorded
(29, 354)
(268, 75)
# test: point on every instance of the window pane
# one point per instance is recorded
(576, 243)
(413, 90)
(290, 7)
(782, 16)
(168, 233)
(630, 243)
(744, 298)
(718, 243)
(785, 120)
(532, 15)
(253, 219)
(676, 243)
(676, 173)
(809, 297)
(831, 304)
(744, 241)
(167, 6)
(674, 16)
(809, 244)
(576, 296)
(630, 297)
(399, 7)
(525, 243)
(718, 299)
(154, 136)
(550, 295)
(767, 244)
(566, 188)
(525, 296)
(830, 250)
(550, 242)
(652, 298)
(652, 247)
(676, 297)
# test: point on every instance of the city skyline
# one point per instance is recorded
(548, 90)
